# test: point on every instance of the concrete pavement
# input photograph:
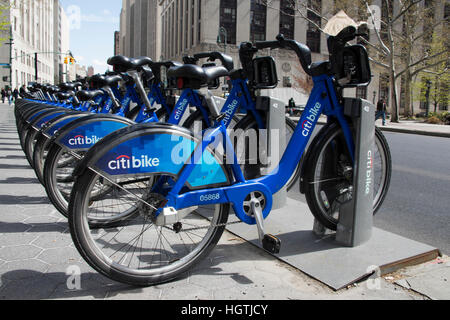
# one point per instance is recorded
(39, 261)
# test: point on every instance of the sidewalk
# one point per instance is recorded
(38, 258)
(406, 126)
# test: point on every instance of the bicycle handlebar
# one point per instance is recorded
(225, 59)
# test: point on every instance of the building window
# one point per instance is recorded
(258, 15)
(287, 20)
(199, 19)
(192, 22)
(361, 92)
(228, 19)
(186, 20)
(313, 33)
(287, 82)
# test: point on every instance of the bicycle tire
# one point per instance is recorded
(322, 194)
(101, 260)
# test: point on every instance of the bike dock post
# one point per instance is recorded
(356, 215)
(275, 142)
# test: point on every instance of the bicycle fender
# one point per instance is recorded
(153, 148)
(57, 123)
(83, 133)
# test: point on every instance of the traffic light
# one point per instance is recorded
(72, 60)
(66, 60)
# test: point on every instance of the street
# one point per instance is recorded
(418, 203)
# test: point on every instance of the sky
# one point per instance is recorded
(93, 23)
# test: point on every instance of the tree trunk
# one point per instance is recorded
(393, 96)
(408, 80)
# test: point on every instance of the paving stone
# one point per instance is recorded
(62, 293)
(53, 240)
(177, 291)
(48, 227)
(19, 252)
(12, 217)
(39, 220)
(127, 293)
(59, 255)
(13, 239)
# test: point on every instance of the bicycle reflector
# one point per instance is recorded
(180, 83)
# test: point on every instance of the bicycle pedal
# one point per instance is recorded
(271, 243)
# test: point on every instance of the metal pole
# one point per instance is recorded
(36, 66)
(10, 56)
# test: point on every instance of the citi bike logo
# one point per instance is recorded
(307, 124)
(180, 109)
(127, 162)
(369, 172)
(82, 140)
(230, 111)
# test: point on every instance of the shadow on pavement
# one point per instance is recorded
(31, 284)
(10, 199)
(14, 166)
(17, 180)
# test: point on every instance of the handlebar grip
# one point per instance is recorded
(226, 60)
(267, 44)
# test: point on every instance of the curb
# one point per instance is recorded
(407, 131)
(419, 132)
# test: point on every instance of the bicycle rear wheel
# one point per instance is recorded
(329, 175)
(136, 251)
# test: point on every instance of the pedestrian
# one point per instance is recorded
(381, 111)
(291, 106)
(9, 95)
(3, 95)
(15, 94)
(23, 91)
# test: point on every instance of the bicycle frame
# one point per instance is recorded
(323, 99)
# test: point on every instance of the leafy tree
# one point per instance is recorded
(398, 44)
(5, 24)
(438, 74)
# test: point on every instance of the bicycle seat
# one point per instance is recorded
(121, 63)
(67, 86)
(53, 89)
(101, 80)
(194, 76)
(65, 95)
(85, 95)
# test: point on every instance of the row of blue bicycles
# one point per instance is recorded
(147, 164)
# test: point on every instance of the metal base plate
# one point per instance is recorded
(323, 258)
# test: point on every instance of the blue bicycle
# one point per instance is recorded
(171, 193)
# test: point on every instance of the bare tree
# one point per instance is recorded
(398, 45)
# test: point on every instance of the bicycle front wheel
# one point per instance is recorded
(137, 251)
(329, 175)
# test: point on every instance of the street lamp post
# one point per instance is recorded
(427, 96)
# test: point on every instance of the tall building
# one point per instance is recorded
(32, 30)
(140, 29)
(116, 42)
(90, 71)
(61, 43)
